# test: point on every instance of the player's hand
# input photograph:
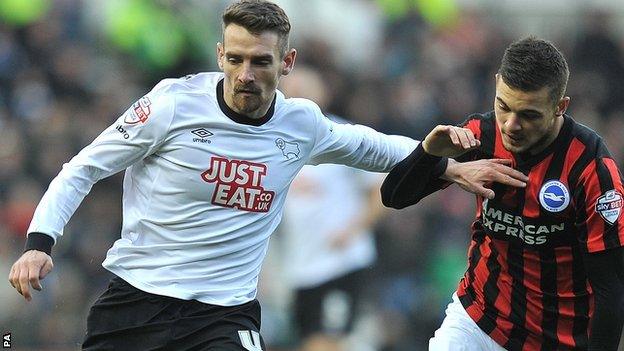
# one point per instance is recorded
(449, 141)
(477, 176)
(28, 270)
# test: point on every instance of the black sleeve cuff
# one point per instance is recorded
(413, 178)
(438, 164)
(440, 167)
(40, 242)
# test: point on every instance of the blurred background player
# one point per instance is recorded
(327, 236)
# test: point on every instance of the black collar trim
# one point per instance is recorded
(239, 118)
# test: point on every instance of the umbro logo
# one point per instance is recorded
(202, 133)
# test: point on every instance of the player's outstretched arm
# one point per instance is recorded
(477, 176)
(421, 174)
(417, 176)
(28, 270)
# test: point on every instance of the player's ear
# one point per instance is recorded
(220, 55)
(288, 63)
(562, 106)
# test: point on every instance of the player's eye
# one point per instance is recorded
(530, 116)
(263, 62)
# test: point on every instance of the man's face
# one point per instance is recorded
(528, 121)
(252, 65)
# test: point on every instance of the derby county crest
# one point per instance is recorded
(609, 206)
(289, 149)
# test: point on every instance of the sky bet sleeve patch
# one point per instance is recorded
(609, 206)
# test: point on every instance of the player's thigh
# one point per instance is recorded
(454, 337)
(124, 317)
(458, 332)
(237, 338)
(233, 328)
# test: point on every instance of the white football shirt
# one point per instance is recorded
(203, 189)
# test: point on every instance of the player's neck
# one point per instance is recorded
(548, 138)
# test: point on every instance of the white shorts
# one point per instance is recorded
(459, 332)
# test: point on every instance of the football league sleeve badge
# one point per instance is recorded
(609, 205)
(139, 112)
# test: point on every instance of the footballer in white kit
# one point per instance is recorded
(204, 186)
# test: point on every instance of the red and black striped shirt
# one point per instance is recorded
(526, 284)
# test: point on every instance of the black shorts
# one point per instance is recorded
(126, 318)
(329, 308)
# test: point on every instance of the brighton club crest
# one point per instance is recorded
(554, 196)
(609, 206)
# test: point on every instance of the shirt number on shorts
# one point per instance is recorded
(250, 340)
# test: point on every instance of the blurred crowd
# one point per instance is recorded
(64, 78)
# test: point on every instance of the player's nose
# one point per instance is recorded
(246, 74)
(512, 123)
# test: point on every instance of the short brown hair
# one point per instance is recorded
(530, 64)
(258, 16)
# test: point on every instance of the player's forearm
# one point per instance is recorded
(606, 326)
(378, 152)
(362, 147)
(606, 274)
(412, 179)
(62, 198)
(607, 321)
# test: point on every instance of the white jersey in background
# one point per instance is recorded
(323, 202)
(203, 188)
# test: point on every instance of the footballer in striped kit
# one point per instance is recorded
(545, 263)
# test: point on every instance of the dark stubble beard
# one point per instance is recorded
(246, 105)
